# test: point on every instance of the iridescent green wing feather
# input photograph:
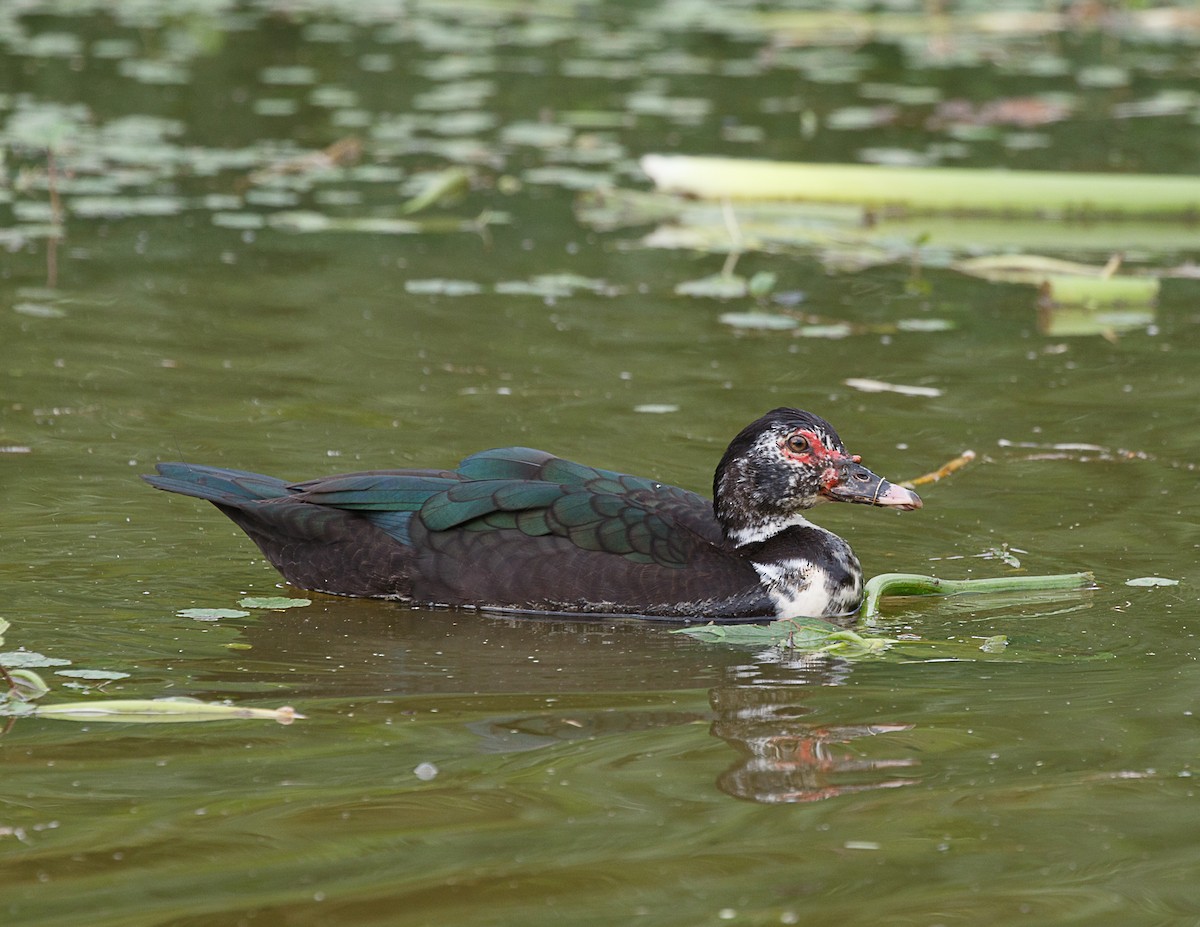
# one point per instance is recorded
(537, 494)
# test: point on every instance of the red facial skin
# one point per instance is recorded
(815, 455)
(839, 480)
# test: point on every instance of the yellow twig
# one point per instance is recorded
(944, 470)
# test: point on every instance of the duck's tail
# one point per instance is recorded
(314, 546)
(232, 488)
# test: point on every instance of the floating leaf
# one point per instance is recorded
(924, 325)
(656, 408)
(861, 117)
(436, 188)
(107, 675)
(573, 178)
(27, 685)
(149, 711)
(239, 220)
(275, 106)
(765, 321)
(437, 287)
(809, 635)
(211, 614)
(273, 602)
(1103, 75)
(833, 330)
(878, 386)
(1002, 553)
(301, 221)
(294, 75)
(1151, 581)
(27, 658)
(762, 283)
(555, 286)
(719, 286)
(116, 207)
(39, 310)
(537, 134)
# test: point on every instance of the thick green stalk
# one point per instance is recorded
(887, 584)
(930, 190)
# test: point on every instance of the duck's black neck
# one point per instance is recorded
(807, 571)
(753, 503)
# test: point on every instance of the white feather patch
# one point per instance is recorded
(798, 587)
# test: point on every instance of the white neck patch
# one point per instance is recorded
(767, 529)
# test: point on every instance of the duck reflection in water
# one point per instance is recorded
(783, 754)
(784, 758)
(601, 682)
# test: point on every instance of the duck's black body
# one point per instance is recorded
(521, 529)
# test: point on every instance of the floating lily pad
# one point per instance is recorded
(295, 75)
(718, 286)
(211, 614)
(537, 134)
(39, 310)
(106, 675)
(833, 330)
(453, 96)
(1103, 75)
(306, 221)
(925, 325)
(239, 220)
(573, 178)
(94, 207)
(273, 602)
(766, 321)
(555, 286)
(808, 635)
(442, 287)
(762, 283)
(27, 658)
(149, 71)
(275, 106)
(656, 408)
(115, 49)
(861, 117)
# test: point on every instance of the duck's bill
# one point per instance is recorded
(855, 483)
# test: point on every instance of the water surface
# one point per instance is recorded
(470, 768)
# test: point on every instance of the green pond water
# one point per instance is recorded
(219, 292)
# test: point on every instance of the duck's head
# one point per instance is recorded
(785, 463)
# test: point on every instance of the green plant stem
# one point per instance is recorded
(952, 190)
(889, 584)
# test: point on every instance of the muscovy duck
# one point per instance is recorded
(522, 530)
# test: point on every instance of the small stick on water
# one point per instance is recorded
(944, 470)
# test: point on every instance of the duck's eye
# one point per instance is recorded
(797, 444)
